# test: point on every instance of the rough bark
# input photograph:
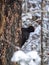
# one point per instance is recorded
(10, 30)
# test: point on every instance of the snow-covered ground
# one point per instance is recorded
(29, 58)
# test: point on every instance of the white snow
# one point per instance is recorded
(34, 56)
(18, 56)
(29, 58)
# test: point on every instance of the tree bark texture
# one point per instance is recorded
(10, 29)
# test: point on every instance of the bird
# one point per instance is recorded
(25, 33)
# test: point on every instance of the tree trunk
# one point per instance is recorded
(10, 17)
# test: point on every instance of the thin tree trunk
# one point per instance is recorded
(41, 33)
